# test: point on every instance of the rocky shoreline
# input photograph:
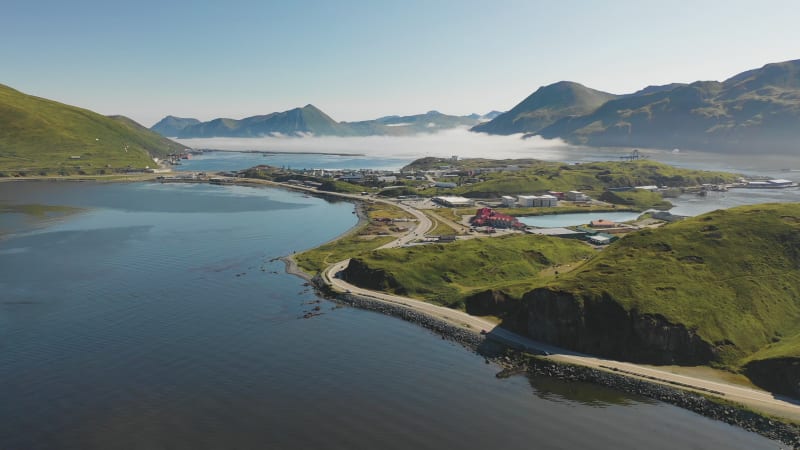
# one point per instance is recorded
(514, 363)
(700, 404)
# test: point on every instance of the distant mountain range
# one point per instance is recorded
(310, 120)
(756, 111)
(44, 137)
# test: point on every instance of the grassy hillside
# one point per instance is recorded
(448, 273)
(728, 281)
(733, 276)
(39, 136)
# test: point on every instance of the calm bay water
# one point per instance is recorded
(232, 161)
(157, 318)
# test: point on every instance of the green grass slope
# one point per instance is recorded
(732, 276)
(39, 137)
(448, 273)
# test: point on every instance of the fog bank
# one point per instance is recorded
(460, 142)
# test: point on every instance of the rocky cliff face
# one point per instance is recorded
(358, 273)
(490, 302)
(779, 375)
(601, 326)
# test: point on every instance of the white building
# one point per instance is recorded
(453, 202)
(548, 201)
(537, 201)
(577, 196)
(526, 200)
(352, 177)
(508, 200)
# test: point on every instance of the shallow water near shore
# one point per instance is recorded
(158, 318)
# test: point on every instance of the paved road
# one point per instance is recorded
(424, 225)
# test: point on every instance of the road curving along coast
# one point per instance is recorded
(713, 399)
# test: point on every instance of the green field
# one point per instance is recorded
(447, 273)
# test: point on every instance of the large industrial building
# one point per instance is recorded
(453, 202)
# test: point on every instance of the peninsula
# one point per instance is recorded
(511, 287)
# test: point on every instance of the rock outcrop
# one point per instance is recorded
(599, 325)
(358, 273)
(779, 375)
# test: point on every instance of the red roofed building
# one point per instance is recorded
(487, 217)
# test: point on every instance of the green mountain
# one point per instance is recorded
(40, 136)
(544, 107)
(757, 111)
(309, 120)
(171, 126)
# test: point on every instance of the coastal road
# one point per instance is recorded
(754, 398)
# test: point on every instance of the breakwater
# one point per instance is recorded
(468, 338)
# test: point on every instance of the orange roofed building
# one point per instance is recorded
(602, 223)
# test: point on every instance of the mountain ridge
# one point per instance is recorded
(754, 111)
(310, 120)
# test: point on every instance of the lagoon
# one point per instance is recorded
(568, 220)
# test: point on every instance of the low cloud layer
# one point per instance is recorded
(460, 142)
(465, 144)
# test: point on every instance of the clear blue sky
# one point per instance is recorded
(364, 59)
